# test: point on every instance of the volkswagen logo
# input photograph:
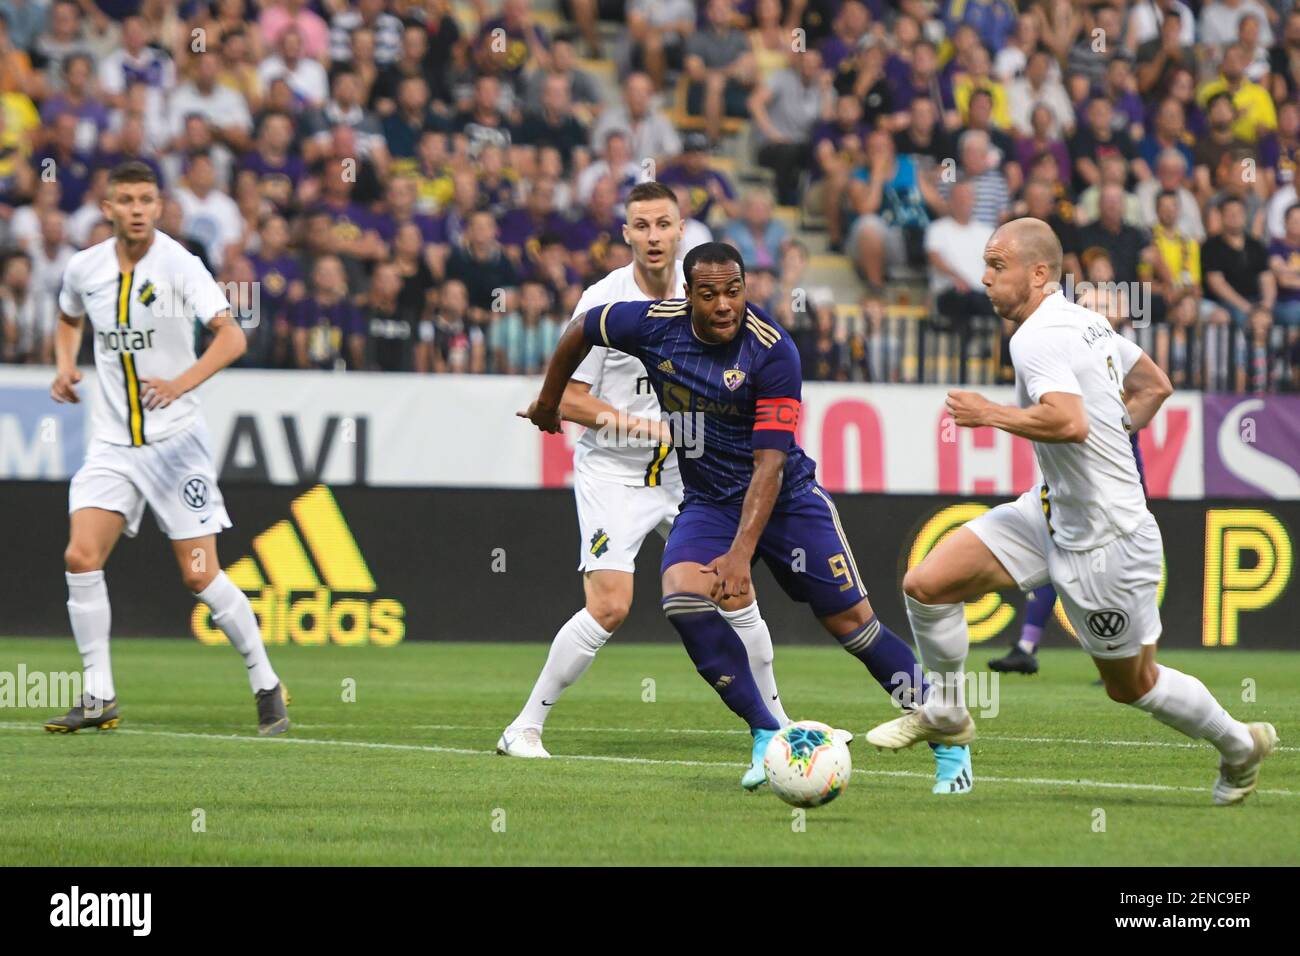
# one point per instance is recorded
(1108, 623)
(194, 492)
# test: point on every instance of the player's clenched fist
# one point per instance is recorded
(64, 387)
(733, 576)
(967, 408)
(547, 419)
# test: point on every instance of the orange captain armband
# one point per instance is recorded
(776, 414)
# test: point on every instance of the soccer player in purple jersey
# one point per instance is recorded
(729, 376)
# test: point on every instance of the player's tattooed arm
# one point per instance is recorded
(227, 345)
(1145, 389)
(572, 348)
(1057, 417)
(67, 343)
(733, 568)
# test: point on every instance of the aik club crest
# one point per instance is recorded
(599, 543)
(732, 378)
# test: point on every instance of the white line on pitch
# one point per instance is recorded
(646, 761)
(689, 730)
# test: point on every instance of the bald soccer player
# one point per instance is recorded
(1081, 390)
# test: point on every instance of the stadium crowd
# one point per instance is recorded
(427, 186)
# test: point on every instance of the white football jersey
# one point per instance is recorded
(619, 379)
(1091, 493)
(143, 324)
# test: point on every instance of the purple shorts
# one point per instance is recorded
(803, 544)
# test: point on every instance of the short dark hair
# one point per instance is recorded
(645, 192)
(1290, 209)
(713, 254)
(1221, 95)
(132, 171)
(1166, 194)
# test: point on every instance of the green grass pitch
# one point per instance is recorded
(405, 774)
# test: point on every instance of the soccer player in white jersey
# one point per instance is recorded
(141, 291)
(626, 478)
(1081, 390)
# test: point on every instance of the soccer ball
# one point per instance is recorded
(806, 766)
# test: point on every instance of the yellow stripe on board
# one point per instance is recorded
(331, 542)
(286, 563)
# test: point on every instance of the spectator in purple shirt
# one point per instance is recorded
(280, 282)
(521, 228)
(130, 145)
(925, 80)
(328, 330)
(589, 236)
(525, 43)
(278, 172)
(706, 185)
(848, 30)
(74, 166)
(1284, 261)
(1029, 148)
(551, 268)
(78, 100)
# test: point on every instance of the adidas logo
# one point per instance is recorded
(304, 579)
(666, 366)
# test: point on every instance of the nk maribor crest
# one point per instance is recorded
(732, 378)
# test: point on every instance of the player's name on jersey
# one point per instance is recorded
(125, 340)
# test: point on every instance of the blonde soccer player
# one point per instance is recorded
(1081, 391)
(141, 292)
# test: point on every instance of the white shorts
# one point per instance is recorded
(1109, 593)
(614, 519)
(174, 476)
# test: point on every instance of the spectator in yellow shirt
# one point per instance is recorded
(978, 77)
(1178, 265)
(1256, 113)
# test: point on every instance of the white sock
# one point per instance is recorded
(942, 640)
(1185, 704)
(91, 615)
(234, 615)
(572, 651)
(748, 623)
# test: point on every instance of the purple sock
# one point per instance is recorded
(1037, 610)
(719, 656)
(890, 660)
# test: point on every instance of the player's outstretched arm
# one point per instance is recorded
(572, 348)
(733, 568)
(67, 343)
(579, 405)
(1056, 418)
(228, 343)
(1146, 387)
